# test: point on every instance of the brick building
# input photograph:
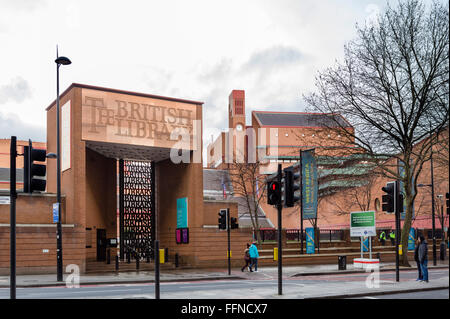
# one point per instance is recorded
(344, 176)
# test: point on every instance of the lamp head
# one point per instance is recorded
(62, 60)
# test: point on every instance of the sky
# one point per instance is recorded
(197, 50)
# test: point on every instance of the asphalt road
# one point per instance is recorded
(223, 289)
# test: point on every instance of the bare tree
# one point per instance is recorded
(393, 87)
(249, 184)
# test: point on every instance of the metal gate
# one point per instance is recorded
(136, 208)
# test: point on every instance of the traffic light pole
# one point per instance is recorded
(12, 222)
(397, 240)
(229, 243)
(280, 253)
(301, 204)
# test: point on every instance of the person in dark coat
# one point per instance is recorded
(423, 258)
(246, 258)
(416, 258)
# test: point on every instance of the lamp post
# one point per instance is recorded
(59, 266)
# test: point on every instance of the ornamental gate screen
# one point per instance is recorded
(136, 208)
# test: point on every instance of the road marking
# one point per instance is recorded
(367, 297)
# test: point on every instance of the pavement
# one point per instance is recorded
(295, 277)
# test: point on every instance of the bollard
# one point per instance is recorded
(128, 258)
(117, 263)
(108, 256)
(166, 254)
(137, 261)
(176, 260)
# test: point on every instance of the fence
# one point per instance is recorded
(268, 235)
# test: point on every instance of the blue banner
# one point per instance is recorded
(182, 212)
(365, 244)
(401, 173)
(55, 212)
(310, 245)
(309, 185)
(411, 239)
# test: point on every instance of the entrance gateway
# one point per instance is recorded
(118, 178)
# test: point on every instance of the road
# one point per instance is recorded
(293, 287)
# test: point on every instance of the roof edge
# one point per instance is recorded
(100, 88)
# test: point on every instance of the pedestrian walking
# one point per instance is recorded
(416, 258)
(392, 237)
(423, 258)
(254, 255)
(383, 237)
(246, 258)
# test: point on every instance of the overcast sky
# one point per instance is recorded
(198, 50)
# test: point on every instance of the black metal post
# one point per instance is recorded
(117, 263)
(12, 222)
(301, 203)
(397, 233)
(280, 253)
(433, 226)
(59, 256)
(121, 209)
(229, 242)
(156, 269)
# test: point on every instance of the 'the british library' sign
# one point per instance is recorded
(121, 118)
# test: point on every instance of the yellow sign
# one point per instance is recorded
(275, 253)
(161, 256)
(400, 250)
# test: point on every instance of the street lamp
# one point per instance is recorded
(60, 60)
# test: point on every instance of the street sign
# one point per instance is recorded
(5, 200)
(55, 212)
(362, 224)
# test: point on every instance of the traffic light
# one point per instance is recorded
(34, 174)
(291, 184)
(234, 223)
(389, 199)
(448, 203)
(223, 219)
(273, 193)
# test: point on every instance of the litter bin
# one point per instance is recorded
(342, 262)
(443, 250)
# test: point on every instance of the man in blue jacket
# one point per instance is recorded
(253, 251)
(423, 258)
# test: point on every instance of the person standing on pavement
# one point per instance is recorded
(416, 258)
(392, 237)
(246, 257)
(423, 258)
(383, 237)
(254, 255)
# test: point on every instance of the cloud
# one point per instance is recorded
(273, 57)
(18, 90)
(12, 125)
(22, 5)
